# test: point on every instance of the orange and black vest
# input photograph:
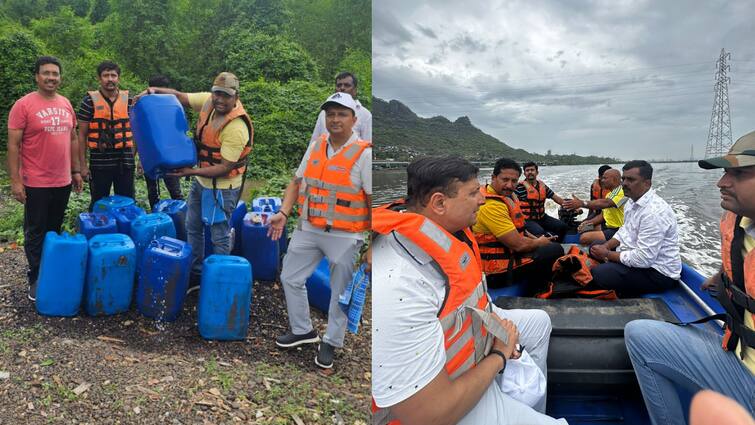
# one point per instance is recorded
(110, 127)
(466, 312)
(207, 137)
(572, 277)
(497, 257)
(533, 207)
(597, 191)
(737, 290)
(327, 196)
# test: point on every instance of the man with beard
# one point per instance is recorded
(224, 137)
(532, 194)
(509, 253)
(665, 356)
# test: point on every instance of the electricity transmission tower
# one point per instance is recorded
(719, 134)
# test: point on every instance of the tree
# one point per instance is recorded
(79, 7)
(284, 115)
(253, 55)
(65, 34)
(328, 28)
(18, 52)
(100, 10)
(24, 11)
(359, 63)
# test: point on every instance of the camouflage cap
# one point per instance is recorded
(741, 154)
(227, 83)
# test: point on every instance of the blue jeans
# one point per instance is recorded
(220, 232)
(666, 356)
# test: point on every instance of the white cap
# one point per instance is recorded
(343, 99)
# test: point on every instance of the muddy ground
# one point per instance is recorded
(124, 369)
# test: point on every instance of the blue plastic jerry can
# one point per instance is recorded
(164, 279)
(110, 274)
(159, 126)
(262, 252)
(225, 298)
(62, 272)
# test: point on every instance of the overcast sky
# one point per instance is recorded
(629, 79)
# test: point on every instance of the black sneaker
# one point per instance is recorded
(290, 340)
(324, 357)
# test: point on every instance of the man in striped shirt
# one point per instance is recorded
(105, 129)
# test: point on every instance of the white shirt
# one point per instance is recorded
(649, 236)
(363, 127)
(361, 176)
(407, 339)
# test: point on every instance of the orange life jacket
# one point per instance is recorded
(597, 191)
(327, 197)
(534, 206)
(207, 137)
(737, 290)
(110, 126)
(468, 336)
(572, 277)
(497, 257)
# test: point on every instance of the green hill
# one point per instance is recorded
(401, 135)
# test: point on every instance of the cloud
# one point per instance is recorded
(427, 31)
(591, 77)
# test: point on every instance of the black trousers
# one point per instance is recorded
(120, 178)
(547, 224)
(536, 273)
(630, 281)
(173, 184)
(44, 210)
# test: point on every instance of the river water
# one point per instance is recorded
(690, 190)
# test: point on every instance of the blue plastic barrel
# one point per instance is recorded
(318, 287)
(262, 252)
(61, 274)
(125, 215)
(176, 209)
(237, 221)
(225, 297)
(109, 203)
(110, 274)
(91, 224)
(159, 127)
(149, 227)
(164, 279)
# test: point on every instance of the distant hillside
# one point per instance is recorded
(401, 135)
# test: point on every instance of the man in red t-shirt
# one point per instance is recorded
(42, 159)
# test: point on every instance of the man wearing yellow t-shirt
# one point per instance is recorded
(666, 357)
(612, 210)
(223, 136)
(509, 253)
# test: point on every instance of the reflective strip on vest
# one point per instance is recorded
(327, 197)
